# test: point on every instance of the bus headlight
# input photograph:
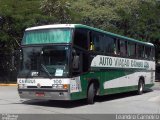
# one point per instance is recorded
(60, 86)
(57, 86)
(22, 86)
(65, 86)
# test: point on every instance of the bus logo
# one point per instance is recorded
(38, 85)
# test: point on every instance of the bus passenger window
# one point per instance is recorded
(123, 48)
(147, 52)
(96, 43)
(81, 38)
(131, 49)
(152, 54)
(118, 46)
(101, 43)
(140, 51)
(110, 46)
(115, 47)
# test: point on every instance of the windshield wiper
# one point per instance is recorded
(46, 71)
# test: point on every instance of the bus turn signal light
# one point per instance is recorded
(65, 86)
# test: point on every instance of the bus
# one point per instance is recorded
(75, 61)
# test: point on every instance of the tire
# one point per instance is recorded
(140, 87)
(91, 94)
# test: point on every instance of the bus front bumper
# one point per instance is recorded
(46, 94)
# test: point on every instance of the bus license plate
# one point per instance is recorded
(40, 94)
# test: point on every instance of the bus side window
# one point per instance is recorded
(118, 46)
(152, 54)
(81, 38)
(123, 48)
(94, 43)
(140, 51)
(147, 52)
(101, 43)
(131, 49)
(110, 46)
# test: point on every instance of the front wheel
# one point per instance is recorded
(91, 94)
(140, 87)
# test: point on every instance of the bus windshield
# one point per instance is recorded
(46, 61)
(46, 36)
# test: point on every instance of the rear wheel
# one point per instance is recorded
(140, 87)
(91, 94)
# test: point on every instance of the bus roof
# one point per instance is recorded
(87, 27)
(51, 26)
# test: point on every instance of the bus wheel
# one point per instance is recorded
(140, 87)
(91, 94)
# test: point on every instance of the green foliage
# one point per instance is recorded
(57, 8)
(96, 13)
(15, 16)
(139, 19)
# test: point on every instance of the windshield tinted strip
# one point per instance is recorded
(47, 36)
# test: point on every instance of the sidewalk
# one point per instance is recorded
(156, 86)
(7, 84)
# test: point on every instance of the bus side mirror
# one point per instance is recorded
(75, 63)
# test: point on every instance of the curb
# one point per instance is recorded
(7, 84)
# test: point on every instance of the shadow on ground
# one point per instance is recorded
(83, 102)
(156, 86)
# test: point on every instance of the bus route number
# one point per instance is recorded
(57, 81)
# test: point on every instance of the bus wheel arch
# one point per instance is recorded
(141, 84)
(92, 90)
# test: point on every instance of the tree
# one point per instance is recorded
(104, 14)
(139, 19)
(57, 8)
(15, 16)
(93, 14)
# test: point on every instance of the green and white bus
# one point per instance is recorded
(74, 61)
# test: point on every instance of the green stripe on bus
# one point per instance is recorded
(102, 77)
(125, 89)
(79, 95)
